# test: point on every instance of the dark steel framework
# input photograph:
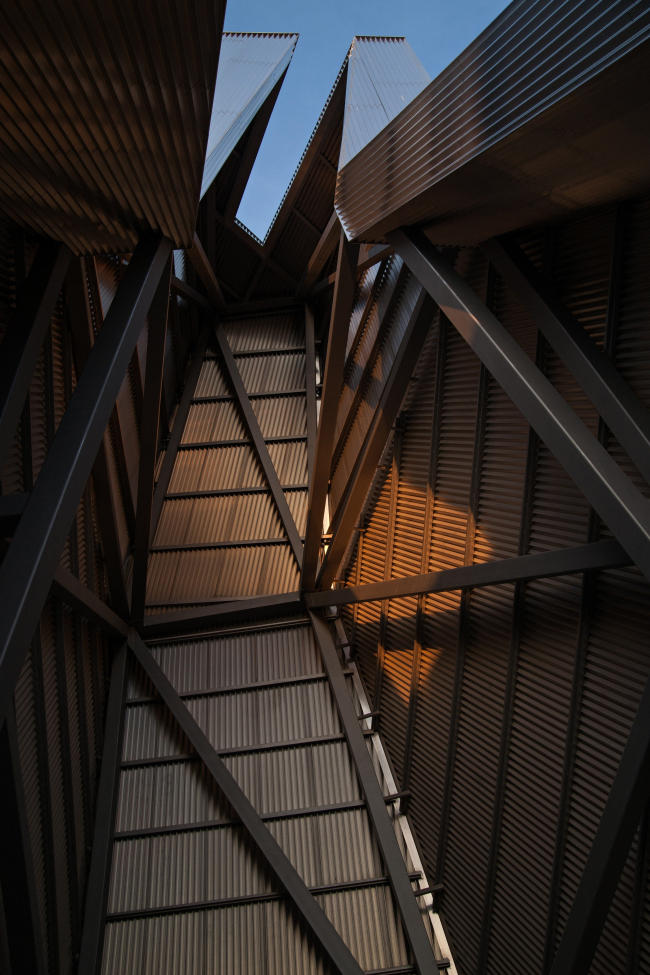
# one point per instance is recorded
(90, 438)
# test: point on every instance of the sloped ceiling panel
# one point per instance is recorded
(104, 117)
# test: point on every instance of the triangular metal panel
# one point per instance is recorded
(249, 68)
(384, 76)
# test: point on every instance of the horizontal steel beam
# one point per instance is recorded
(322, 929)
(242, 899)
(213, 444)
(72, 592)
(607, 554)
(612, 494)
(29, 566)
(239, 610)
(619, 406)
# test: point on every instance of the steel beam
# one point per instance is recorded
(626, 802)
(310, 386)
(29, 566)
(619, 406)
(253, 427)
(81, 330)
(92, 936)
(370, 300)
(360, 391)
(72, 592)
(344, 291)
(374, 255)
(17, 881)
(289, 879)
(183, 290)
(322, 251)
(394, 862)
(23, 340)
(11, 509)
(149, 433)
(176, 434)
(237, 610)
(596, 474)
(361, 477)
(204, 269)
(607, 554)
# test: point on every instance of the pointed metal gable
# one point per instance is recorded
(249, 68)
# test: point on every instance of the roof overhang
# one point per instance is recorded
(547, 112)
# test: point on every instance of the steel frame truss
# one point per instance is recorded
(289, 879)
(30, 563)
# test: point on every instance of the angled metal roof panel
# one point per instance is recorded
(249, 68)
(104, 111)
(384, 76)
(527, 61)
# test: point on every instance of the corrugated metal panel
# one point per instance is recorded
(264, 332)
(281, 416)
(138, 163)
(250, 65)
(532, 56)
(214, 470)
(507, 822)
(263, 374)
(191, 521)
(224, 573)
(375, 388)
(181, 868)
(384, 75)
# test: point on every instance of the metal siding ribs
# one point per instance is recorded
(188, 863)
(29, 566)
(614, 497)
(138, 165)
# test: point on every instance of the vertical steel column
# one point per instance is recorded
(310, 386)
(92, 936)
(30, 563)
(149, 439)
(344, 290)
(16, 868)
(396, 868)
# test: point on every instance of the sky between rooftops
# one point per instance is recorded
(437, 30)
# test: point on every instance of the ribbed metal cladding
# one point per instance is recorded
(269, 353)
(532, 56)
(510, 730)
(201, 860)
(129, 118)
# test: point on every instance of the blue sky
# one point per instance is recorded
(437, 30)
